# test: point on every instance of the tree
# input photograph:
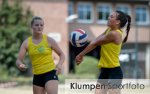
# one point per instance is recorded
(14, 28)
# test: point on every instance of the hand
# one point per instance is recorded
(58, 68)
(79, 59)
(22, 67)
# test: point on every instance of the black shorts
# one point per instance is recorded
(111, 76)
(41, 79)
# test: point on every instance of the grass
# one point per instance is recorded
(88, 66)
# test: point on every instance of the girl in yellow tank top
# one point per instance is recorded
(40, 48)
(110, 42)
(109, 53)
(41, 56)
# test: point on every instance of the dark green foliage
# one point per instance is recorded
(14, 28)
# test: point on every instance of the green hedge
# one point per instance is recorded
(88, 66)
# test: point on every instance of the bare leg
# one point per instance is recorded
(114, 91)
(38, 90)
(101, 90)
(52, 87)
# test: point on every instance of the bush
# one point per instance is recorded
(14, 28)
(88, 66)
(3, 72)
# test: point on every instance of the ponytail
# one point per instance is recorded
(124, 18)
(128, 28)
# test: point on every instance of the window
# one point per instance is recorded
(70, 9)
(103, 11)
(85, 12)
(142, 15)
(124, 8)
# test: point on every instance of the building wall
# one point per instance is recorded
(54, 13)
(96, 29)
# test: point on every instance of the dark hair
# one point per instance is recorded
(124, 18)
(35, 18)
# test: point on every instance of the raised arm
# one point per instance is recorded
(22, 52)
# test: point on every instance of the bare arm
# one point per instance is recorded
(102, 39)
(22, 52)
(57, 49)
(93, 44)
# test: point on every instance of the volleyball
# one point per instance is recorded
(78, 38)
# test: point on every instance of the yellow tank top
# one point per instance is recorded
(41, 56)
(110, 53)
